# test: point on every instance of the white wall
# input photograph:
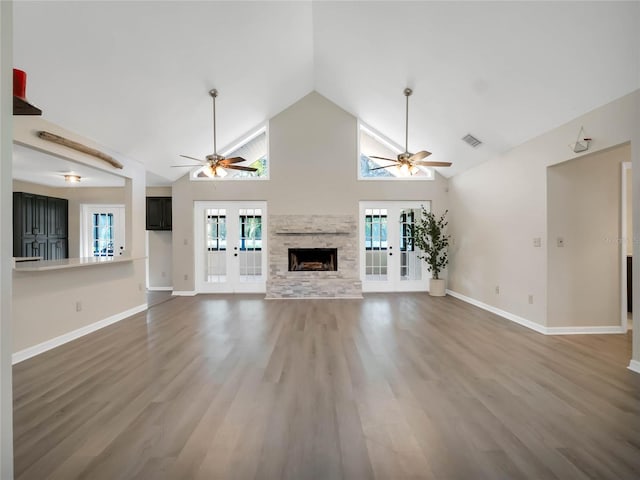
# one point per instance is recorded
(313, 170)
(499, 207)
(584, 210)
(6, 240)
(629, 211)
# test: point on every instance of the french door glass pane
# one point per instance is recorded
(250, 244)
(375, 244)
(102, 234)
(216, 239)
(410, 266)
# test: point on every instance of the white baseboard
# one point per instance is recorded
(634, 366)
(502, 313)
(599, 330)
(80, 332)
(315, 298)
(585, 330)
(160, 289)
(184, 293)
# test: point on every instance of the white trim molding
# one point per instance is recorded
(601, 330)
(73, 335)
(634, 366)
(597, 330)
(502, 313)
(160, 289)
(184, 293)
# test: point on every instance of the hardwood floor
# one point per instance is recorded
(390, 387)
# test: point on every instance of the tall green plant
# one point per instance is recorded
(429, 236)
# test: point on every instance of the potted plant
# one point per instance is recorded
(429, 236)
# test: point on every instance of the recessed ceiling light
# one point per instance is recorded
(72, 178)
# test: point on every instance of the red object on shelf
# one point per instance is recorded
(20, 83)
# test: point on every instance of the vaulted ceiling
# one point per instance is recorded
(134, 76)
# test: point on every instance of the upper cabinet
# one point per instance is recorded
(158, 213)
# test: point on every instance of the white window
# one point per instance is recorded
(372, 143)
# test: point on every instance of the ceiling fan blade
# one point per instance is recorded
(419, 156)
(190, 166)
(193, 158)
(380, 168)
(433, 164)
(239, 167)
(232, 160)
(383, 158)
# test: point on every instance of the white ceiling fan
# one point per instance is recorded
(216, 165)
(406, 161)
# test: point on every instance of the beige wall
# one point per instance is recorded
(6, 239)
(159, 250)
(44, 303)
(313, 170)
(499, 207)
(584, 207)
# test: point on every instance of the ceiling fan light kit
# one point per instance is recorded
(406, 162)
(214, 165)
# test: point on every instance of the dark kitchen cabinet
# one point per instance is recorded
(57, 213)
(158, 213)
(40, 226)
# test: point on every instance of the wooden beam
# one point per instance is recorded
(51, 137)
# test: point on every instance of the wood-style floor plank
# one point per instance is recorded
(394, 386)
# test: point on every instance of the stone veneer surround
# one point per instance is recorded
(313, 231)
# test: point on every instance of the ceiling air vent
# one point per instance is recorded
(471, 140)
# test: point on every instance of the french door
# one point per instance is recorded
(230, 247)
(388, 256)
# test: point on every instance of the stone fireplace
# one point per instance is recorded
(313, 256)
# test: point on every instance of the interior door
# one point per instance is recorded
(388, 256)
(230, 247)
(102, 231)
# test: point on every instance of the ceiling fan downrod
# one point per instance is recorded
(407, 94)
(214, 93)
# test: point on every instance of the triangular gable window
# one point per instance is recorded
(254, 149)
(373, 143)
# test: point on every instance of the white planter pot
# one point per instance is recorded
(437, 287)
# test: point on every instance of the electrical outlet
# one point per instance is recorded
(537, 242)
(78, 306)
(163, 274)
(186, 277)
(530, 299)
(185, 242)
(140, 287)
(497, 289)
(560, 242)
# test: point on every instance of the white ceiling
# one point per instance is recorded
(33, 166)
(134, 76)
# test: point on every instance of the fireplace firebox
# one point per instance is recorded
(313, 259)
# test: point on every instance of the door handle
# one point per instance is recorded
(235, 254)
